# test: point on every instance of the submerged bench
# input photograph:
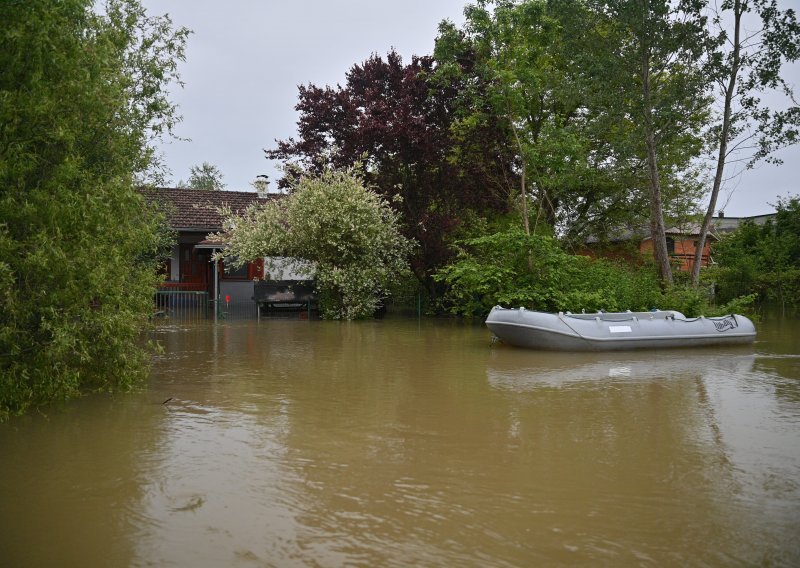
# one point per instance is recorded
(273, 295)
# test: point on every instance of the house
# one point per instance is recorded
(633, 245)
(681, 241)
(191, 272)
(682, 246)
(724, 225)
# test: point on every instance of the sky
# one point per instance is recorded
(246, 58)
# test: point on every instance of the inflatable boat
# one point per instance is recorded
(606, 331)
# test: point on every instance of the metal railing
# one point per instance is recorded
(182, 303)
(174, 301)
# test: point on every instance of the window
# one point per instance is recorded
(229, 272)
(249, 271)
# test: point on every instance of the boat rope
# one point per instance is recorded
(575, 331)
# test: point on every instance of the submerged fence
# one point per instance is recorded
(243, 309)
(191, 304)
(182, 303)
(175, 302)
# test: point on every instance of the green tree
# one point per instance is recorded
(742, 66)
(336, 230)
(204, 176)
(763, 259)
(549, 70)
(650, 70)
(83, 95)
(517, 58)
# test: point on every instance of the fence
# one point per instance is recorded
(243, 309)
(182, 303)
(406, 305)
(193, 304)
(173, 301)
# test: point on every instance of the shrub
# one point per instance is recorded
(514, 269)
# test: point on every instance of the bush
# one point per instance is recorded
(762, 260)
(511, 268)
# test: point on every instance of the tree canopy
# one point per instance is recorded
(83, 94)
(763, 259)
(390, 115)
(204, 176)
(587, 117)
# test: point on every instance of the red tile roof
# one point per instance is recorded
(195, 209)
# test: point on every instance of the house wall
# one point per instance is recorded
(240, 291)
(684, 252)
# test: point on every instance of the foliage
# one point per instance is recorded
(649, 69)
(338, 231)
(762, 259)
(204, 176)
(514, 269)
(513, 63)
(743, 66)
(82, 97)
(552, 72)
(394, 118)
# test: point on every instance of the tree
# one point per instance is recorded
(204, 176)
(397, 120)
(337, 231)
(518, 72)
(84, 95)
(543, 69)
(743, 66)
(763, 259)
(650, 69)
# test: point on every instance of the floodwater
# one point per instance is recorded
(407, 443)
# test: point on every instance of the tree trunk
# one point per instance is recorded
(723, 143)
(526, 224)
(657, 228)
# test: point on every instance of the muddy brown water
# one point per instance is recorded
(414, 443)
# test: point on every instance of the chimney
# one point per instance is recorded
(721, 214)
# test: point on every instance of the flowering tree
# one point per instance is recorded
(336, 230)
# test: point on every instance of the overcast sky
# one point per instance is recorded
(246, 58)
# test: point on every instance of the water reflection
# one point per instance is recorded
(396, 443)
(511, 369)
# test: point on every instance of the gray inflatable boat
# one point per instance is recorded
(606, 331)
